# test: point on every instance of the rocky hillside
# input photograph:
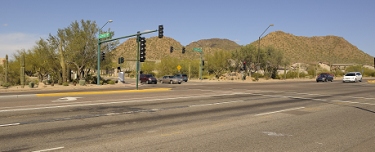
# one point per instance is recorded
(326, 49)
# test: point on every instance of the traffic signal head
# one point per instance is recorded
(142, 51)
(161, 32)
(183, 50)
(120, 60)
(244, 65)
(202, 62)
(171, 49)
(103, 56)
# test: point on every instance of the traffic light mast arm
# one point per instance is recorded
(172, 49)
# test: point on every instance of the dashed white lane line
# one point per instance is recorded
(217, 103)
(51, 149)
(273, 112)
(12, 124)
(364, 98)
(352, 102)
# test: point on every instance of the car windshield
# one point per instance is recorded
(350, 74)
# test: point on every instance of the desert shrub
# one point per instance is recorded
(111, 82)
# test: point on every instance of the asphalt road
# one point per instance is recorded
(194, 116)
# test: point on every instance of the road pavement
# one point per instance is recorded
(194, 116)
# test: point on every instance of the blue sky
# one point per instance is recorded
(22, 22)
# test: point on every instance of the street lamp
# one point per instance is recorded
(259, 46)
(98, 72)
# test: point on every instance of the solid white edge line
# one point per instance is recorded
(57, 148)
(267, 113)
(13, 124)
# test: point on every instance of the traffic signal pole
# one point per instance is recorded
(137, 74)
(160, 35)
(200, 51)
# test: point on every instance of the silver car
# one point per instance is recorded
(171, 79)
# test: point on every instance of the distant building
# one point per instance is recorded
(2, 60)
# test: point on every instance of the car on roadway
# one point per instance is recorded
(171, 79)
(324, 77)
(352, 77)
(148, 79)
(183, 76)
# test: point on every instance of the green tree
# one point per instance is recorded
(148, 67)
(272, 59)
(247, 54)
(167, 66)
(45, 59)
(218, 62)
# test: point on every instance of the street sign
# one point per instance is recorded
(178, 67)
(104, 35)
(197, 49)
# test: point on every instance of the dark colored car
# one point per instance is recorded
(324, 77)
(148, 78)
(171, 79)
(183, 76)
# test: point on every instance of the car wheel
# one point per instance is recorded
(360, 80)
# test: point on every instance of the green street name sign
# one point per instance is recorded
(197, 49)
(104, 35)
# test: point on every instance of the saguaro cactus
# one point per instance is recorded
(22, 72)
(6, 69)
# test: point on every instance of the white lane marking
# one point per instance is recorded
(363, 98)
(364, 103)
(104, 102)
(275, 134)
(65, 99)
(18, 96)
(320, 99)
(217, 103)
(273, 112)
(57, 148)
(12, 124)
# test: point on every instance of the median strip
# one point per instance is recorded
(102, 92)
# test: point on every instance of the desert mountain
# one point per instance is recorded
(326, 49)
